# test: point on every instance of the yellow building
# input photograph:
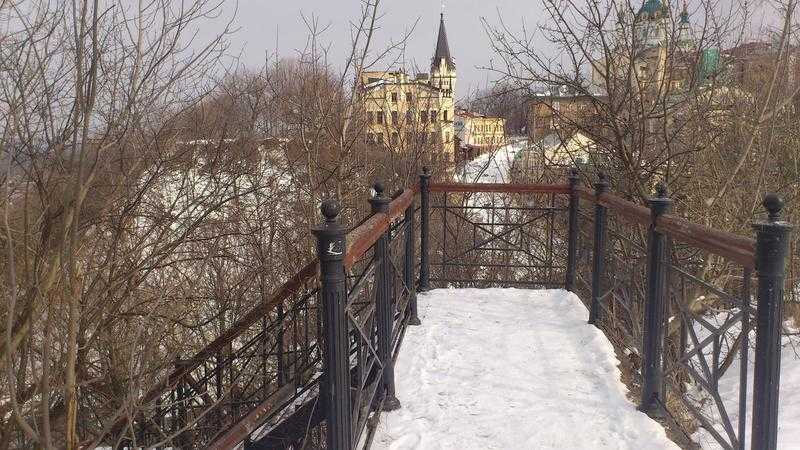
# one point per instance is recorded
(405, 112)
(477, 133)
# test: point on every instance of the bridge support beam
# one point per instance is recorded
(572, 237)
(653, 334)
(424, 221)
(384, 307)
(772, 245)
(599, 251)
(335, 387)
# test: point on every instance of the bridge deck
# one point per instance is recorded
(511, 369)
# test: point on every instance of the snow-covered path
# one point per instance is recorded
(511, 369)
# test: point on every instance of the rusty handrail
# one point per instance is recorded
(501, 187)
(739, 249)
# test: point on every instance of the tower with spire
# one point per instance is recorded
(443, 69)
(405, 112)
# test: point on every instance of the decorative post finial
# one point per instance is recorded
(379, 188)
(601, 187)
(661, 190)
(379, 203)
(660, 204)
(573, 172)
(773, 203)
(330, 210)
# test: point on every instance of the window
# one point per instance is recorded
(380, 117)
(447, 135)
(409, 97)
(394, 97)
(423, 116)
(370, 117)
(444, 115)
(434, 113)
(380, 138)
(394, 118)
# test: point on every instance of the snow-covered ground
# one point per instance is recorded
(493, 167)
(511, 369)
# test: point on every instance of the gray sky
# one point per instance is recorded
(261, 22)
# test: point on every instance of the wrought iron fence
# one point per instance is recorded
(490, 235)
(313, 366)
(678, 302)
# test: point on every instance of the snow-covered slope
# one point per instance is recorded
(511, 369)
(493, 167)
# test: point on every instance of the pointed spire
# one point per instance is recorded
(442, 49)
(685, 13)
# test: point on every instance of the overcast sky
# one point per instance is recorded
(264, 25)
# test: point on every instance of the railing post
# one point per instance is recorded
(331, 246)
(424, 220)
(653, 334)
(599, 252)
(772, 244)
(409, 258)
(572, 242)
(384, 309)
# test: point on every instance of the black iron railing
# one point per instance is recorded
(313, 365)
(677, 300)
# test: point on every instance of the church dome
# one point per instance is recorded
(653, 9)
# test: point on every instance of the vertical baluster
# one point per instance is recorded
(408, 265)
(599, 253)
(743, 357)
(443, 260)
(180, 403)
(281, 350)
(653, 333)
(572, 230)
(383, 302)
(335, 387)
(772, 239)
(424, 221)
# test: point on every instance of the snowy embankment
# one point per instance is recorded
(511, 369)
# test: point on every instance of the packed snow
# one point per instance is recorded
(511, 369)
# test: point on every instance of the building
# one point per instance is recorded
(560, 113)
(404, 112)
(752, 65)
(661, 49)
(477, 133)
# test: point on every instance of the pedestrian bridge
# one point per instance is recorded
(618, 325)
(511, 369)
